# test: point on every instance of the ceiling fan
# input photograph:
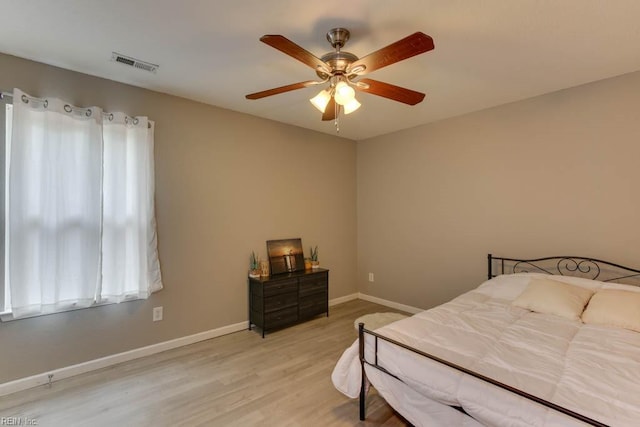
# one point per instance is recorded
(341, 69)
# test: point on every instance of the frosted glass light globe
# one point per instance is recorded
(351, 106)
(344, 93)
(321, 100)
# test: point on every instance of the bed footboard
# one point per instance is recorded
(374, 364)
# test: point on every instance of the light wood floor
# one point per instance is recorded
(235, 380)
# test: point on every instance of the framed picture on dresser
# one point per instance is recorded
(285, 255)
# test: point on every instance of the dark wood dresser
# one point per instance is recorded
(285, 299)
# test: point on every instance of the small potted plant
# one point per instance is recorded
(254, 265)
(314, 257)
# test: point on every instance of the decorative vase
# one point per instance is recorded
(315, 264)
(307, 264)
(264, 268)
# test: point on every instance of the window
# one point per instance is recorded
(79, 218)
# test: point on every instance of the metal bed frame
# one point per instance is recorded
(590, 268)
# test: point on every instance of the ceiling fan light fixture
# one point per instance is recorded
(341, 68)
(351, 106)
(321, 100)
(344, 93)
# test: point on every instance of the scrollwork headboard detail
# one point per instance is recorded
(588, 268)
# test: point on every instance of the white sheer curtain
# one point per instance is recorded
(54, 206)
(80, 220)
(130, 265)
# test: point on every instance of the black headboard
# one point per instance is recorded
(588, 268)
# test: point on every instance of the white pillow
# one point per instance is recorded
(507, 286)
(553, 297)
(583, 282)
(616, 308)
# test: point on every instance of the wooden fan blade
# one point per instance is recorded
(282, 89)
(332, 110)
(390, 91)
(412, 45)
(288, 47)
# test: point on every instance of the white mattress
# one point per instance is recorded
(592, 370)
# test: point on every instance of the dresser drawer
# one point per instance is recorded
(280, 301)
(280, 287)
(312, 287)
(315, 278)
(281, 317)
(313, 306)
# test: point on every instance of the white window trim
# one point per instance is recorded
(4, 294)
(7, 316)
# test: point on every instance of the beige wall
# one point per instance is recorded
(225, 183)
(553, 175)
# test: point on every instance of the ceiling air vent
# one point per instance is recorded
(133, 62)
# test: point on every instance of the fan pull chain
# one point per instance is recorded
(336, 123)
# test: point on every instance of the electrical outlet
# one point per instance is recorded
(371, 277)
(157, 314)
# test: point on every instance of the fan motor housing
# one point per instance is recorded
(338, 61)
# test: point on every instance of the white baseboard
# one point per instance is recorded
(103, 362)
(343, 299)
(397, 306)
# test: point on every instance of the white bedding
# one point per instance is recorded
(593, 370)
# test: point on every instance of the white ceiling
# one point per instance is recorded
(487, 52)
